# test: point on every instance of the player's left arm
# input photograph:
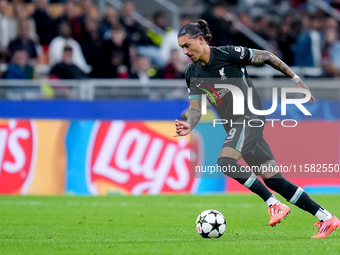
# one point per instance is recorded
(194, 115)
(261, 57)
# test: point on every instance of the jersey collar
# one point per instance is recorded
(210, 59)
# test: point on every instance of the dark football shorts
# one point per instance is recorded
(250, 142)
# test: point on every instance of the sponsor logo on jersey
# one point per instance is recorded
(241, 50)
(17, 147)
(242, 53)
(220, 94)
(214, 95)
(139, 158)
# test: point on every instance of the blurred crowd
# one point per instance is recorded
(78, 43)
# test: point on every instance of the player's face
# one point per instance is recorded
(192, 47)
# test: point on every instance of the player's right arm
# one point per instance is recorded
(261, 57)
(194, 115)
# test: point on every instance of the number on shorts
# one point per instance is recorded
(231, 133)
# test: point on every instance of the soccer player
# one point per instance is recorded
(228, 62)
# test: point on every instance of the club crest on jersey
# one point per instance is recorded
(221, 71)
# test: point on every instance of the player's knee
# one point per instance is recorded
(275, 181)
(233, 170)
(226, 161)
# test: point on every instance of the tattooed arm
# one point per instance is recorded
(183, 128)
(194, 115)
(261, 57)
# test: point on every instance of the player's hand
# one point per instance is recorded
(182, 128)
(301, 84)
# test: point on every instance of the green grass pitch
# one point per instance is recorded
(155, 225)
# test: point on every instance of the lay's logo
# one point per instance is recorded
(17, 147)
(138, 158)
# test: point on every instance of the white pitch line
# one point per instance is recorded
(31, 203)
(123, 204)
(126, 204)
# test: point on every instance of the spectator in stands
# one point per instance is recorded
(175, 67)
(245, 19)
(330, 23)
(271, 34)
(170, 42)
(24, 41)
(44, 24)
(159, 20)
(3, 65)
(19, 67)
(4, 38)
(239, 38)
(115, 53)
(152, 50)
(331, 53)
(299, 4)
(110, 19)
(331, 48)
(286, 42)
(135, 32)
(4, 25)
(58, 44)
(70, 15)
(66, 69)
(308, 45)
(143, 70)
(219, 27)
(93, 44)
(57, 1)
(335, 4)
(20, 13)
(89, 11)
(260, 25)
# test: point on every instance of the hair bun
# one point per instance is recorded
(196, 29)
(204, 26)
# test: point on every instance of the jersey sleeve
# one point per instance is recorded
(194, 91)
(238, 54)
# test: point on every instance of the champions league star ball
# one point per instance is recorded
(211, 224)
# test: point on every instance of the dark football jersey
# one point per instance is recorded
(226, 66)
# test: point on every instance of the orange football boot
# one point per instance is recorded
(277, 212)
(326, 227)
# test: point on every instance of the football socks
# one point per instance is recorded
(272, 200)
(292, 193)
(246, 178)
(323, 215)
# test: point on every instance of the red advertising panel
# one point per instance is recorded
(307, 154)
(32, 156)
(138, 158)
(17, 151)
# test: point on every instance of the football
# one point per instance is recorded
(211, 224)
